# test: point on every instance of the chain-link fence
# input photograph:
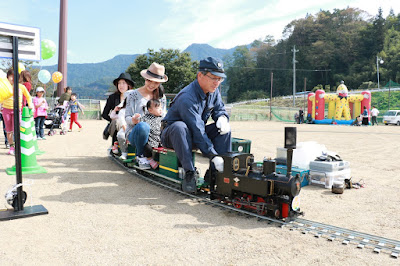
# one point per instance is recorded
(92, 108)
(255, 110)
(261, 113)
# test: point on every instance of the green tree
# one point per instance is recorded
(390, 70)
(179, 68)
(241, 73)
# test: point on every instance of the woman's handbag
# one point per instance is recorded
(106, 132)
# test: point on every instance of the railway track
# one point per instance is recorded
(319, 230)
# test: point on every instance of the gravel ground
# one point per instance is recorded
(99, 214)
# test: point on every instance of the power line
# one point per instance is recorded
(284, 69)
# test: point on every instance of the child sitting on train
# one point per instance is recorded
(121, 127)
(153, 117)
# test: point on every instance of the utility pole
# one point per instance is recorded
(379, 60)
(294, 74)
(62, 46)
(389, 95)
(270, 98)
(305, 87)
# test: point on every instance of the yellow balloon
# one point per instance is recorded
(57, 77)
(21, 67)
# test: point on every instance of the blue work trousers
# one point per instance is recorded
(139, 136)
(178, 137)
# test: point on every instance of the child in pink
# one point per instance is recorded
(40, 114)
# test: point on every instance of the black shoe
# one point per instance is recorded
(189, 182)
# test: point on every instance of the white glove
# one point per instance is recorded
(223, 125)
(218, 163)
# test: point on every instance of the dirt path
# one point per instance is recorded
(99, 214)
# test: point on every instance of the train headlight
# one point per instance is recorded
(296, 203)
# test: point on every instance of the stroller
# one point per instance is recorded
(55, 120)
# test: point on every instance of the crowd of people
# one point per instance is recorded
(145, 124)
(37, 104)
(139, 117)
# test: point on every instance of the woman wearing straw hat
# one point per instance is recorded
(138, 132)
(123, 83)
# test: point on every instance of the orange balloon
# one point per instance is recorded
(57, 77)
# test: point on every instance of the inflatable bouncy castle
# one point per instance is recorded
(342, 107)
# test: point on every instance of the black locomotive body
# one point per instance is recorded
(241, 183)
(256, 186)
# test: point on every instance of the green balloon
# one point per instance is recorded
(48, 49)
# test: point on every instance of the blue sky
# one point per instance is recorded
(99, 30)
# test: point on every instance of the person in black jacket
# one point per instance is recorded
(123, 83)
(301, 116)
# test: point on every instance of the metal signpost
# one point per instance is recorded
(18, 40)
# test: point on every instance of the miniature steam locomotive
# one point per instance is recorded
(243, 183)
(256, 186)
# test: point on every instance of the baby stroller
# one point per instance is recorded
(55, 120)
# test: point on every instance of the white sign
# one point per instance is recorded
(28, 41)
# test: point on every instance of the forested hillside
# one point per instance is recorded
(330, 47)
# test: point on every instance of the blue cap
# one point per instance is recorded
(212, 65)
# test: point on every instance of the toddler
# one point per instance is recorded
(121, 127)
(40, 114)
(153, 117)
(74, 106)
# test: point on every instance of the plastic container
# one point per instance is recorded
(304, 153)
(326, 179)
(326, 166)
(304, 174)
(241, 145)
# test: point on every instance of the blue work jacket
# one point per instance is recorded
(192, 106)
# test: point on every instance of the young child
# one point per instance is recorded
(153, 117)
(40, 113)
(74, 106)
(8, 110)
(4, 128)
(121, 127)
(26, 79)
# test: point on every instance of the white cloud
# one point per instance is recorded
(225, 24)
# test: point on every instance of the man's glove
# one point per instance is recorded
(218, 163)
(223, 125)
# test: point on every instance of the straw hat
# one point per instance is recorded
(155, 72)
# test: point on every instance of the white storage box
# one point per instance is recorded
(304, 153)
(326, 166)
(326, 179)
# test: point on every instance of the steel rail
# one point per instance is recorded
(319, 230)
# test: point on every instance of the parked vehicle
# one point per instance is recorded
(392, 117)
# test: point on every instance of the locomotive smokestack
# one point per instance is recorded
(290, 144)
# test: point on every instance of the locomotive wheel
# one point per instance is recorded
(237, 203)
(277, 213)
(261, 209)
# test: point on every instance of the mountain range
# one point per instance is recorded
(92, 80)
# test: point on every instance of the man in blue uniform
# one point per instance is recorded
(185, 123)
